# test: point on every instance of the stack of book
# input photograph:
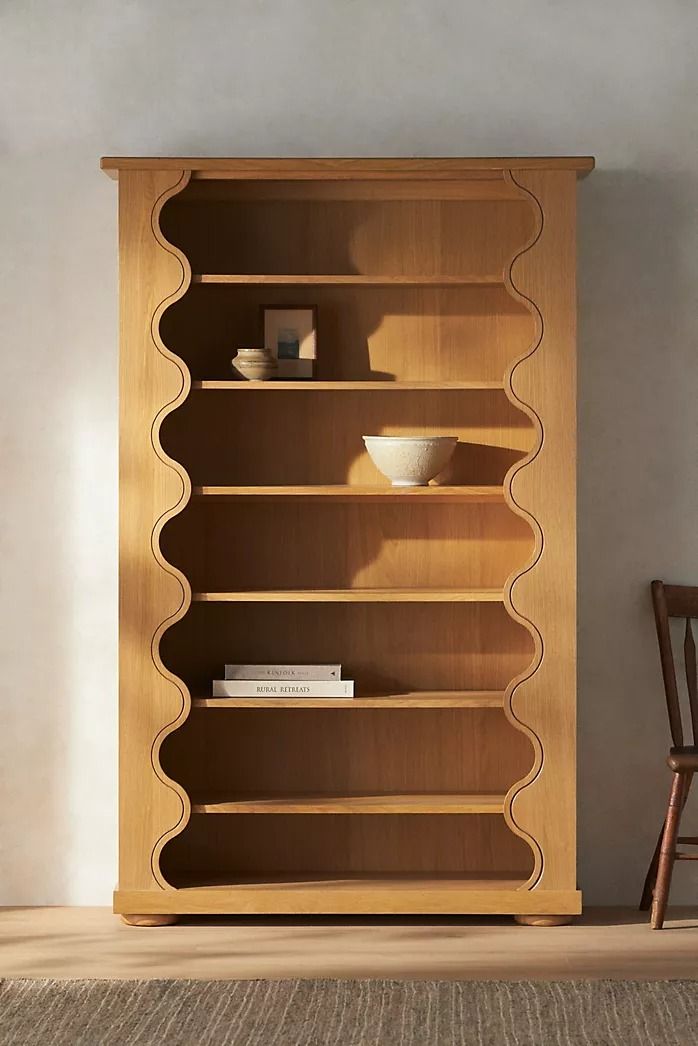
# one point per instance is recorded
(283, 681)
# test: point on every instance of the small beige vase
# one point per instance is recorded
(255, 364)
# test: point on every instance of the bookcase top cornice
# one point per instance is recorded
(394, 168)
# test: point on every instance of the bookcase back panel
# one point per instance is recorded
(345, 237)
(386, 648)
(342, 751)
(244, 546)
(231, 846)
(469, 333)
(302, 437)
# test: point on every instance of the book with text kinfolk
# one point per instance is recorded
(282, 688)
(290, 672)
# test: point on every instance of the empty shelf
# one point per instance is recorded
(355, 595)
(388, 803)
(346, 280)
(239, 385)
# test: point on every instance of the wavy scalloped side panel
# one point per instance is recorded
(542, 489)
(153, 593)
(537, 336)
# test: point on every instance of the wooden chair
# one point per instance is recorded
(674, 601)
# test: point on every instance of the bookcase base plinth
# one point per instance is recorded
(345, 897)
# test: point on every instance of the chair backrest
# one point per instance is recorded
(677, 601)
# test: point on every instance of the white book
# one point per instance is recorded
(280, 672)
(282, 688)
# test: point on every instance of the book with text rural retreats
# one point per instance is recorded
(282, 688)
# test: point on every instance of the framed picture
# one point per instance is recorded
(290, 334)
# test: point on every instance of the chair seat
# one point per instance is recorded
(684, 758)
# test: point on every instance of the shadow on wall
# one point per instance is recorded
(638, 506)
(58, 448)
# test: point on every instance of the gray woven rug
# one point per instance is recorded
(347, 1013)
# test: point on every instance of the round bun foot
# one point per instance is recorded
(150, 920)
(543, 920)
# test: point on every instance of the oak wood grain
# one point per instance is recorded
(424, 896)
(346, 493)
(449, 283)
(386, 647)
(385, 803)
(343, 280)
(253, 751)
(331, 544)
(542, 488)
(431, 169)
(226, 385)
(153, 488)
(386, 338)
(354, 595)
(417, 699)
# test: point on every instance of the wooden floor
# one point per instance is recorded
(91, 942)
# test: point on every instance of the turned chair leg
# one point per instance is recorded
(650, 881)
(667, 852)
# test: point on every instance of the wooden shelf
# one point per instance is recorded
(352, 280)
(333, 893)
(238, 385)
(383, 881)
(414, 699)
(343, 493)
(389, 803)
(355, 595)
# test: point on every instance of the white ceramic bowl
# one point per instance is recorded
(410, 461)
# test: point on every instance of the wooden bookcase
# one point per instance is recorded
(255, 528)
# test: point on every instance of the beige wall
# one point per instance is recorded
(334, 77)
